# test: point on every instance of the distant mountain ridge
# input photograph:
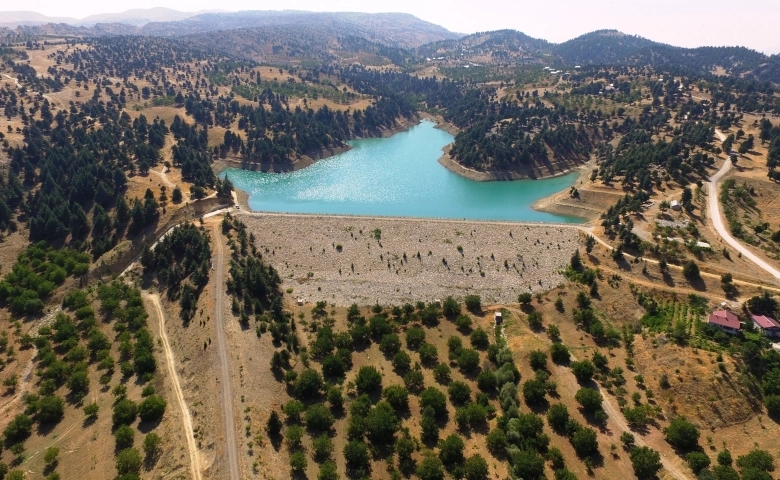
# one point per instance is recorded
(396, 29)
(136, 17)
(611, 47)
(390, 29)
(604, 47)
(398, 36)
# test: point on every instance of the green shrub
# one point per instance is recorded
(322, 447)
(682, 434)
(451, 450)
(537, 359)
(382, 423)
(698, 461)
(18, 429)
(486, 381)
(583, 370)
(589, 399)
(585, 442)
(50, 410)
(397, 396)
(402, 362)
(298, 462)
(357, 459)
(559, 353)
(479, 339)
(468, 360)
(476, 468)
(434, 398)
(459, 393)
(128, 461)
(463, 322)
(318, 417)
(428, 354)
(125, 412)
(309, 384)
(450, 307)
(152, 445)
(415, 336)
(368, 380)
(390, 344)
(152, 408)
(473, 303)
(557, 416)
(124, 437)
(534, 392)
(645, 461)
(497, 442)
(441, 373)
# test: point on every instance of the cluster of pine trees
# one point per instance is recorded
(255, 284)
(180, 261)
(37, 272)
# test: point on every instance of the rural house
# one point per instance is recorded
(726, 321)
(766, 325)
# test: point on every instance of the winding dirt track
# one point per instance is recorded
(226, 383)
(611, 410)
(717, 222)
(192, 447)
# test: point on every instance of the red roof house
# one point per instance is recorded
(726, 321)
(766, 325)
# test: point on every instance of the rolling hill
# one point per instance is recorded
(396, 29)
(604, 47)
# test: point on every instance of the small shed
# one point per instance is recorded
(299, 302)
(675, 205)
(499, 318)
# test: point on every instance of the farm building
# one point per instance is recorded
(726, 321)
(766, 325)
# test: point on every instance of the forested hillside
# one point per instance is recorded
(111, 149)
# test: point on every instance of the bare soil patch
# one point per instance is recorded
(342, 260)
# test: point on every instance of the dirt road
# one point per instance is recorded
(226, 384)
(616, 415)
(170, 363)
(611, 410)
(717, 222)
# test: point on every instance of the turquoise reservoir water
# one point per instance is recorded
(398, 176)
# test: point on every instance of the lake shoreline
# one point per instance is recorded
(260, 213)
(309, 159)
(552, 203)
(527, 194)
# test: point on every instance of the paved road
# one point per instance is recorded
(223, 356)
(185, 412)
(717, 222)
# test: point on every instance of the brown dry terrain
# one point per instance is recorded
(372, 356)
(367, 260)
(715, 398)
(391, 261)
(86, 446)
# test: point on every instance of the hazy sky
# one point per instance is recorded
(688, 23)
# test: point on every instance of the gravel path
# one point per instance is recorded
(223, 355)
